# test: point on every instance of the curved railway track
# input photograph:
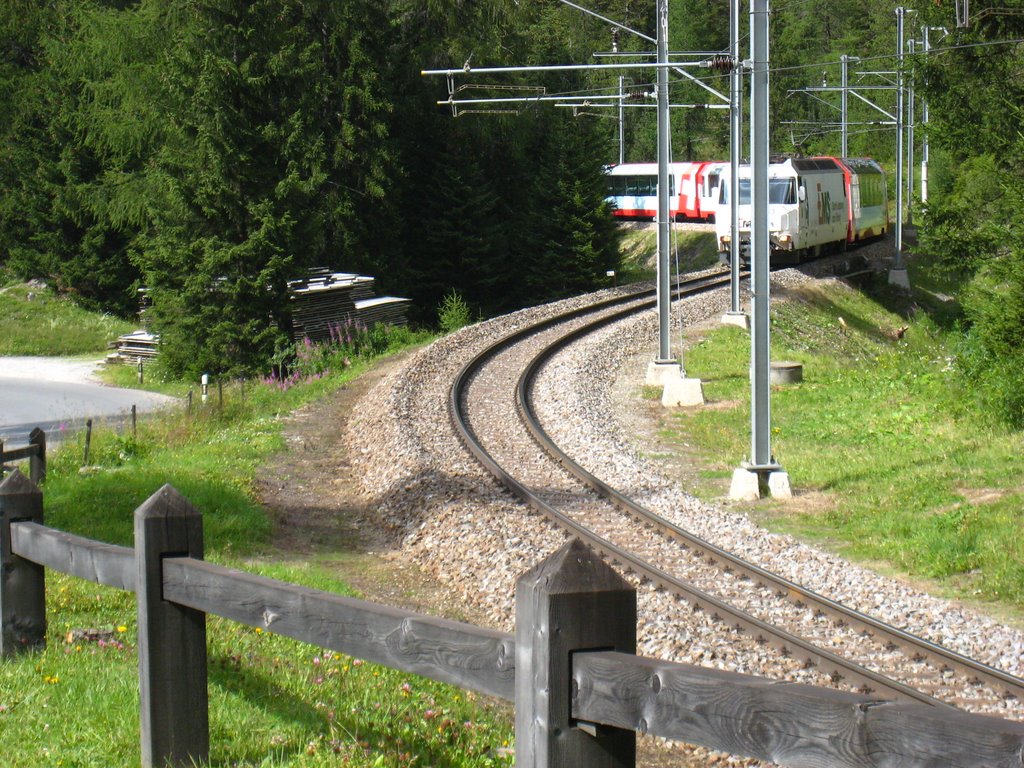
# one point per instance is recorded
(839, 642)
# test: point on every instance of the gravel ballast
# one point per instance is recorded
(476, 539)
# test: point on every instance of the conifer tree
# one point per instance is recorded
(55, 217)
(278, 161)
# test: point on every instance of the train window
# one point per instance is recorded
(872, 190)
(744, 196)
(782, 191)
(637, 186)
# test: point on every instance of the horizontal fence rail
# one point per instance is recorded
(87, 559)
(470, 657)
(580, 692)
(785, 723)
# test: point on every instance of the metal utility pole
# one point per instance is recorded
(844, 108)
(924, 125)
(898, 265)
(910, 142)
(664, 293)
(622, 123)
(622, 112)
(761, 459)
(735, 153)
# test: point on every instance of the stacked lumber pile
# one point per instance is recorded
(330, 299)
(321, 301)
(133, 347)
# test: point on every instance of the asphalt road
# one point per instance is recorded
(57, 394)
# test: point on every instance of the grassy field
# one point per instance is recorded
(35, 322)
(889, 462)
(273, 701)
(694, 249)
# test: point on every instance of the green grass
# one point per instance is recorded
(694, 249)
(33, 321)
(273, 701)
(888, 461)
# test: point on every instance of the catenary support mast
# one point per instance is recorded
(761, 472)
(664, 294)
(735, 153)
(761, 458)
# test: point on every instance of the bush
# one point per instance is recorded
(309, 360)
(991, 356)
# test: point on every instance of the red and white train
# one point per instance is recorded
(633, 190)
(816, 205)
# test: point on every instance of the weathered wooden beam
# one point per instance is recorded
(65, 552)
(173, 698)
(461, 654)
(17, 454)
(37, 463)
(795, 725)
(22, 582)
(569, 606)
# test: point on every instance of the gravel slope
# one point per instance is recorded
(410, 473)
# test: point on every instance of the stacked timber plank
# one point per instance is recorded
(133, 347)
(319, 302)
(326, 300)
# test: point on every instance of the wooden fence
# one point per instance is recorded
(580, 692)
(35, 452)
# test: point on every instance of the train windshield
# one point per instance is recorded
(780, 192)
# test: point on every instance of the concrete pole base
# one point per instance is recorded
(778, 485)
(751, 485)
(659, 372)
(682, 392)
(899, 278)
(739, 319)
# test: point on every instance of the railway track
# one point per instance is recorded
(846, 646)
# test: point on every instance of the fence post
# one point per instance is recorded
(174, 715)
(37, 463)
(22, 583)
(572, 602)
(88, 441)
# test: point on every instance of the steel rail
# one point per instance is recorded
(912, 645)
(787, 643)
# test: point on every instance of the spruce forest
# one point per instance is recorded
(210, 150)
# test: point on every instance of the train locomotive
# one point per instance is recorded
(816, 205)
(693, 190)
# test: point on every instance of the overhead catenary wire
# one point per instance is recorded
(713, 77)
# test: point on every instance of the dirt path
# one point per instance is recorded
(309, 490)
